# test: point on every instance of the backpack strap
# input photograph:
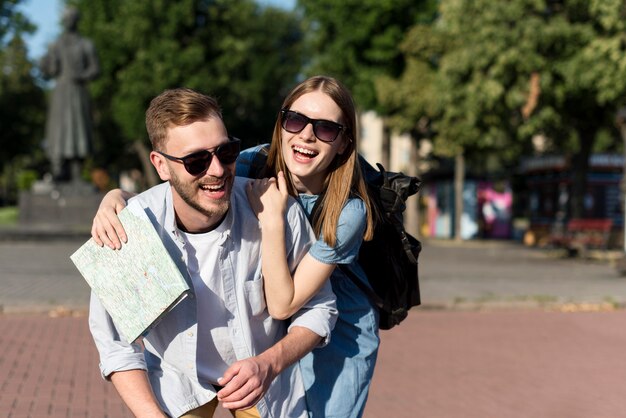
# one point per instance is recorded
(257, 165)
(395, 189)
(406, 245)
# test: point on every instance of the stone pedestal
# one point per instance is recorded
(59, 205)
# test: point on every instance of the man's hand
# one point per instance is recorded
(245, 382)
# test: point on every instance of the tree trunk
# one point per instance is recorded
(623, 185)
(386, 145)
(459, 180)
(148, 169)
(580, 169)
(411, 221)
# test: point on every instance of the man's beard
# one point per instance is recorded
(188, 193)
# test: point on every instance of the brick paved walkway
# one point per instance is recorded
(502, 364)
(437, 364)
(49, 368)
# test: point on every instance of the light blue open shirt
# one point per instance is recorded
(170, 348)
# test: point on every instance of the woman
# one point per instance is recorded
(313, 156)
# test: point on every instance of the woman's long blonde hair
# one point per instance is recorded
(344, 179)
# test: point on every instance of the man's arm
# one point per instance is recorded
(246, 381)
(135, 390)
(122, 363)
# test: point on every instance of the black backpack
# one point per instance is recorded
(390, 258)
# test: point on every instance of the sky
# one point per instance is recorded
(46, 15)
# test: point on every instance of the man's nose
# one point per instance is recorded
(216, 167)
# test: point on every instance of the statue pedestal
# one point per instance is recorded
(51, 205)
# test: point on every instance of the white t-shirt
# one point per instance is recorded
(214, 349)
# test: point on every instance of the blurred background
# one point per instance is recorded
(512, 113)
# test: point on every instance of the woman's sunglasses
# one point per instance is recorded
(324, 130)
(198, 162)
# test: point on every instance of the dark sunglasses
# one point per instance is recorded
(324, 130)
(198, 162)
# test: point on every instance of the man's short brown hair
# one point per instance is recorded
(177, 107)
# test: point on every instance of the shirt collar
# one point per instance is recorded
(224, 228)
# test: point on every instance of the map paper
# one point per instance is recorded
(137, 284)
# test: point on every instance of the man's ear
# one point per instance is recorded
(158, 161)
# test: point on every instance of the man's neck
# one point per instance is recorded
(198, 227)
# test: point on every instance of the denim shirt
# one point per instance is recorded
(337, 377)
(170, 347)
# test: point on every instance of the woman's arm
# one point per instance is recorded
(107, 228)
(284, 294)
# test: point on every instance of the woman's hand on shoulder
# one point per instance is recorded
(268, 198)
(107, 228)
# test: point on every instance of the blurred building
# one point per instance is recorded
(544, 191)
(534, 199)
(395, 152)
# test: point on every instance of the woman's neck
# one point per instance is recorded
(308, 185)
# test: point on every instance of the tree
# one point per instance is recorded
(20, 99)
(22, 109)
(22, 102)
(498, 73)
(357, 41)
(412, 99)
(231, 49)
(12, 21)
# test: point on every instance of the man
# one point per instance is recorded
(223, 336)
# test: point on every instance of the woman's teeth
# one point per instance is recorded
(305, 151)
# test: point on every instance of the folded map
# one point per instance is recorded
(137, 284)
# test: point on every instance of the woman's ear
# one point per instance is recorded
(346, 141)
(158, 161)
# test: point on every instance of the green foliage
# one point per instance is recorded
(26, 178)
(231, 49)
(12, 179)
(499, 73)
(470, 75)
(22, 102)
(411, 96)
(356, 41)
(12, 22)
(8, 215)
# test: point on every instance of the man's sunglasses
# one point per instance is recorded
(198, 162)
(324, 130)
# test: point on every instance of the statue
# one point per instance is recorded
(72, 61)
